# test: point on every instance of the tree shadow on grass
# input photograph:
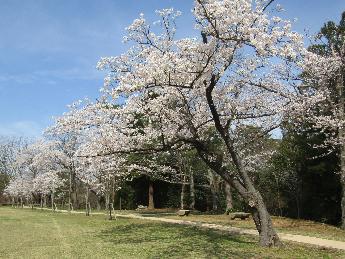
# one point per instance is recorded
(163, 240)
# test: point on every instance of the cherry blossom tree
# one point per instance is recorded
(103, 175)
(27, 170)
(47, 183)
(37, 171)
(9, 147)
(66, 145)
(243, 72)
(96, 124)
(19, 188)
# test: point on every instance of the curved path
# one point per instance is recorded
(290, 237)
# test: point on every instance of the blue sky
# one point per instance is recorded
(49, 49)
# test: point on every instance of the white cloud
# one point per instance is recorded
(52, 76)
(18, 78)
(21, 128)
(84, 73)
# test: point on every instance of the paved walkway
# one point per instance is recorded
(320, 242)
(290, 237)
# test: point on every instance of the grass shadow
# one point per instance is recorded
(166, 240)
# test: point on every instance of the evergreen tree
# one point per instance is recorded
(331, 43)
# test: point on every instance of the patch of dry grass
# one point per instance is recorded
(285, 225)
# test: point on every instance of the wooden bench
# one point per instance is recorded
(183, 212)
(141, 207)
(239, 215)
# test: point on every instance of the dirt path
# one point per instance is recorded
(66, 250)
(290, 237)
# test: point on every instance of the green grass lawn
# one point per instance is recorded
(42, 234)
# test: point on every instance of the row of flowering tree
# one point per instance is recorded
(239, 80)
(36, 173)
(43, 170)
(69, 162)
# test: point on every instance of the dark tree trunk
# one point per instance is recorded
(87, 204)
(263, 223)
(241, 182)
(107, 200)
(52, 201)
(99, 202)
(228, 196)
(343, 205)
(267, 235)
(109, 205)
(113, 193)
(214, 200)
(246, 189)
(183, 189)
(75, 203)
(70, 207)
(207, 202)
(110, 209)
(192, 191)
(278, 196)
(151, 191)
(214, 189)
